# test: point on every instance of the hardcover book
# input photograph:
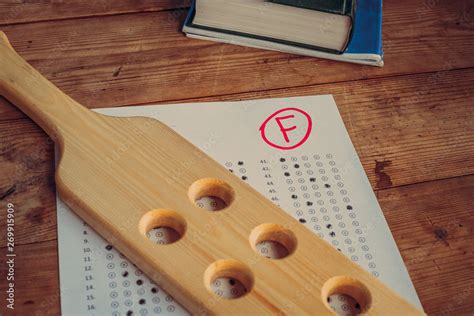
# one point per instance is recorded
(355, 36)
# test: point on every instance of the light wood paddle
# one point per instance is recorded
(126, 176)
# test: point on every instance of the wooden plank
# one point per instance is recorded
(430, 222)
(401, 128)
(143, 58)
(36, 280)
(27, 164)
(433, 226)
(16, 11)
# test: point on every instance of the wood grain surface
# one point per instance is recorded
(124, 193)
(14, 11)
(102, 61)
(411, 121)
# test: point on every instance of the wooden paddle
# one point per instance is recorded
(126, 176)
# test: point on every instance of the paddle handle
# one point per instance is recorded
(36, 96)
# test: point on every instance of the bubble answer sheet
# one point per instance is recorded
(294, 151)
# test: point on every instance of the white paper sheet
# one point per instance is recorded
(319, 181)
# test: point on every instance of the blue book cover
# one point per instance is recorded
(366, 35)
(364, 45)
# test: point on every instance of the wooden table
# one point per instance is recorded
(412, 121)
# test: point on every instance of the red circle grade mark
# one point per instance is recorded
(284, 130)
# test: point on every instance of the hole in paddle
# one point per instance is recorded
(346, 296)
(162, 226)
(273, 241)
(211, 194)
(229, 279)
